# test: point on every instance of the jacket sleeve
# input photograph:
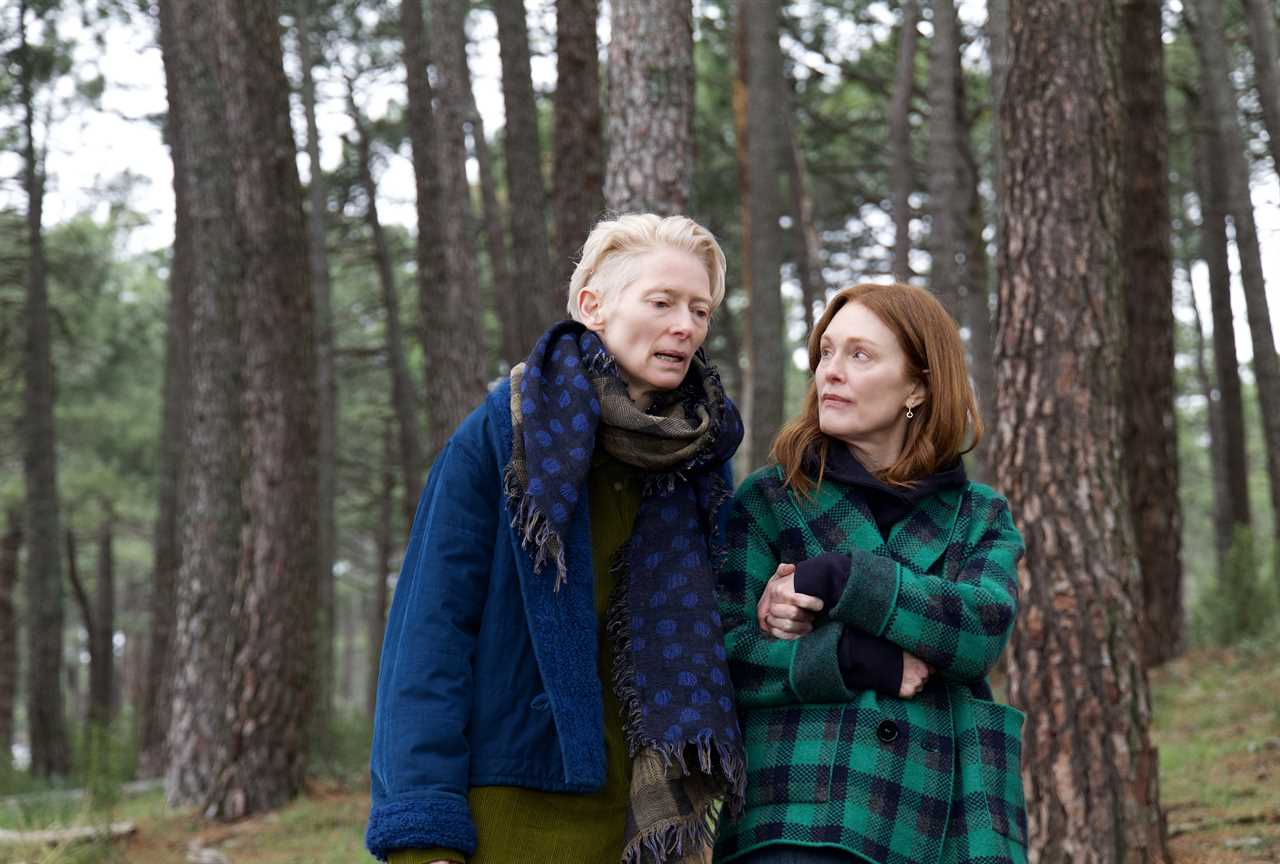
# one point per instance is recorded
(420, 759)
(959, 627)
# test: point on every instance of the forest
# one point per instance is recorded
(259, 258)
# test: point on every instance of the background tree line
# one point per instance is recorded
(216, 447)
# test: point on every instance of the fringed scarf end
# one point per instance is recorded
(537, 535)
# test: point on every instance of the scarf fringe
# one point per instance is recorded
(538, 536)
(669, 842)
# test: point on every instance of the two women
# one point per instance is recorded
(554, 686)
(869, 589)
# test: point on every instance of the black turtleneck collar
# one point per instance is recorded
(888, 504)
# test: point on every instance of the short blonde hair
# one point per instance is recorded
(614, 245)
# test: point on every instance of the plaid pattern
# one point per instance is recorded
(931, 779)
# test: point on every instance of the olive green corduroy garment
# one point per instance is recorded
(528, 826)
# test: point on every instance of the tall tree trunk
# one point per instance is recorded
(86, 607)
(383, 545)
(1213, 415)
(813, 285)
(650, 128)
(197, 742)
(326, 381)
(577, 168)
(456, 377)
(10, 548)
(347, 676)
(504, 300)
(50, 751)
(272, 674)
(404, 400)
(904, 80)
(102, 683)
(538, 296)
(158, 693)
(1235, 517)
(949, 205)
(977, 309)
(1262, 39)
(1151, 434)
(1231, 154)
(1075, 662)
(997, 33)
(766, 350)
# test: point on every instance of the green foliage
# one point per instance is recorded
(1239, 606)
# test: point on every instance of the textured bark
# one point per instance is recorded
(10, 547)
(158, 690)
(766, 354)
(977, 310)
(1232, 155)
(1151, 439)
(273, 671)
(1213, 248)
(403, 398)
(650, 127)
(326, 381)
(384, 548)
(537, 294)
(1089, 769)
(948, 186)
(213, 456)
(502, 290)
(577, 167)
(904, 80)
(50, 751)
(997, 31)
(457, 370)
(808, 249)
(1262, 40)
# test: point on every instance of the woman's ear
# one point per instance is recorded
(591, 308)
(918, 395)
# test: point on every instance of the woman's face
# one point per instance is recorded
(863, 387)
(653, 325)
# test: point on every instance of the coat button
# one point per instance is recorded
(887, 731)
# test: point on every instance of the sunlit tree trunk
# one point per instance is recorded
(1261, 15)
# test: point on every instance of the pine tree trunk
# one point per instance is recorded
(381, 566)
(197, 743)
(904, 80)
(1262, 40)
(813, 285)
(502, 292)
(578, 146)
(1232, 156)
(1213, 248)
(539, 299)
(403, 397)
(1075, 662)
(102, 683)
(1151, 435)
(457, 371)
(10, 548)
(50, 751)
(949, 205)
(1213, 412)
(650, 129)
(326, 381)
(273, 672)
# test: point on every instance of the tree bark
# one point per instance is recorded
(1262, 40)
(650, 127)
(1151, 435)
(326, 381)
(537, 295)
(457, 371)
(813, 285)
(50, 751)
(381, 567)
(1232, 156)
(949, 205)
(1075, 662)
(1213, 413)
(10, 549)
(403, 397)
(577, 145)
(502, 289)
(904, 80)
(102, 679)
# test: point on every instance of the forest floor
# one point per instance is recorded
(1217, 728)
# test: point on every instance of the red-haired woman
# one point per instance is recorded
(869, 589)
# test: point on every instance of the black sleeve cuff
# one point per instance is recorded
(824, 577)
(869, 662)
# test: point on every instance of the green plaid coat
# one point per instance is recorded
(932, 779)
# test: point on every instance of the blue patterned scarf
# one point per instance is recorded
(670, 672)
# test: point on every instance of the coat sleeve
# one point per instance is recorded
(420, 759)
(959, 627)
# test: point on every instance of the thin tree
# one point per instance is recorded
(1262, 41)
(577, 166)
(383, 549)
(1150, 437)
(10, 548)
(50, 751)
(949, 205)
(902, 175)
(98, 614)
(1230, 153)
(502, 291)
(1074, 662)
(650, 124)
(808, 248)
(539, 300)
